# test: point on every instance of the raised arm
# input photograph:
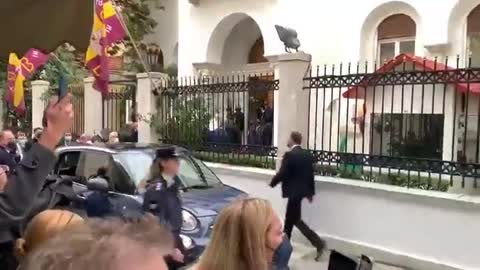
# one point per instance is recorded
(26, 183)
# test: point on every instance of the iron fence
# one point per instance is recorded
(412, 122)
(118, 106)
(223, 118)
(78, 101)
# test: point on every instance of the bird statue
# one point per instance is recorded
(289, 37)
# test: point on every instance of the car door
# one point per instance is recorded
(120, 186)
(67, 167)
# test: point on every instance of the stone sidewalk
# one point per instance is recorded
(303, 259)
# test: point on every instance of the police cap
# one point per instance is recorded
(166, 153)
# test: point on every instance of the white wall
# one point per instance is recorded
(166, 32)
(332, 31)
(411, 228)
(238, 44)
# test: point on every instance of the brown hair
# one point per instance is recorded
(100, 245)
(44, 226)
(296, 137)
(239, 237)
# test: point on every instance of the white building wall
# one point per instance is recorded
(332, 31)
(415, 229)
(166, 32)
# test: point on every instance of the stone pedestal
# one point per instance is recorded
(146, 104)
(93, 108)
(291, 101)
(39, 88)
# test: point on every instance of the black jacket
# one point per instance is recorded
(7, 158)
(296, 174)
(164, 202)
(23, 187)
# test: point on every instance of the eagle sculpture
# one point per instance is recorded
(289, 37)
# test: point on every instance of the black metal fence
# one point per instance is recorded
(411, 122)
(222, 119)
(118, 105)
(78, 101)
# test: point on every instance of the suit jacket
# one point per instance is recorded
(23, 187)
(6, 158)
(296, 174)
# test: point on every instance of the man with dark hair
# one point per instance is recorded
(297, 178)
(8, 149)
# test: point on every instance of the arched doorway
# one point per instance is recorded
(473, 37)
(259, 99)
(237, 45)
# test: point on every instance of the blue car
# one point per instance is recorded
(126, 167)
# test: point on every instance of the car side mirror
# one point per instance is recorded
(98, 184)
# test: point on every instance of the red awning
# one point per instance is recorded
(358, 91)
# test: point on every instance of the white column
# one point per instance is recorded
(146, 105)
(93, 108)
(39, 88)
(291, 106)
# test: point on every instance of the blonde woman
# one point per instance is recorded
(43, 227)
(246, 236)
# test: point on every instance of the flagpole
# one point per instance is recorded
(135, 47)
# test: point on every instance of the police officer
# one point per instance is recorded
(162, 198)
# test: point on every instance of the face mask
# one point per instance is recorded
(115, 140)
(68, 139)
(282, 255)
(22, 141)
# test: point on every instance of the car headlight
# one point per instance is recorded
(190, 223)
(187, 242)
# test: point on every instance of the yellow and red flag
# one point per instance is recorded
(107, 29)
(20, 70)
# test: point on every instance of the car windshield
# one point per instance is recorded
(193, 172)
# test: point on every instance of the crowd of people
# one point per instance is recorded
(232, 129)
(248, 234)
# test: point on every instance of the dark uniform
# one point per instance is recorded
(162, 199)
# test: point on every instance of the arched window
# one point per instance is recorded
(396, 35)
(473, 36)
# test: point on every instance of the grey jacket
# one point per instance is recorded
(23, 188)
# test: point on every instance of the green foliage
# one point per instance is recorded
(65, 63)
(171, 70)
(186, 123)
(139, 22)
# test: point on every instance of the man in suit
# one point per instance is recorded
(8, 149)
(297, 178)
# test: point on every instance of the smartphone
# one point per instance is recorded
(61, 93)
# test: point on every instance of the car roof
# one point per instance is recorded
(119, 147)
